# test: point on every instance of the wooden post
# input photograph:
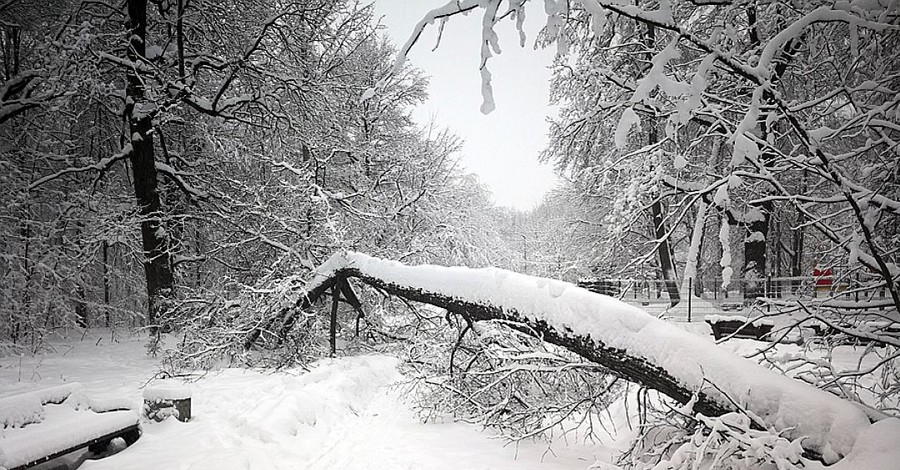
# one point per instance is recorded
(689, 292)
(167, 398)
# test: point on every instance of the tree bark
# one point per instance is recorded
(664, 252)
(692, 266)
(663, 248)
(106, 280)
(81, 311)
(755, 262)
(157, 266)
(754, 272)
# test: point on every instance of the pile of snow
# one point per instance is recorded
(328, 394)
(876, 447)
(27, 408)
(828, 424)
(18, 411)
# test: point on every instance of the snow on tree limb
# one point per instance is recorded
(102, 165)
(625, 339)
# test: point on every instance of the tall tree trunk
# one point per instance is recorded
(692, 265)
(797, 235)
(81, 311)
(106, 279)
(754, 272)
(664, 252)
(157, 266)
(663, 249)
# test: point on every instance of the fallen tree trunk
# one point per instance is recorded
(621, 337)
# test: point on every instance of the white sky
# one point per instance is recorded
(501, 148)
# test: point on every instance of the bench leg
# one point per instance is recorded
(131, 436)
(99, 447)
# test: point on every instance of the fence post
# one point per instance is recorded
(689, 295)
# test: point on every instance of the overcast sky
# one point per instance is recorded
(502, 147)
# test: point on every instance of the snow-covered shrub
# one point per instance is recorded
(850, 353)
(500, 378)
(673, 440)
(212, 331)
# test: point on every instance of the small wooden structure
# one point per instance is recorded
(167, 398)
(739, 327)
(42, 425)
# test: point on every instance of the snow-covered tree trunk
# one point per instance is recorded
(693, 257)
(623, 338)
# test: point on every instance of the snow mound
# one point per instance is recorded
(876, 447)
(28, 408)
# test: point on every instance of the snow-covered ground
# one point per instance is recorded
(346, 413)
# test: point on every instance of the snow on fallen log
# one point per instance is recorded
(624, 338)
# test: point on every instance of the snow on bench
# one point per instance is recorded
(44, 424)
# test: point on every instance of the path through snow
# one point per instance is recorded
(342, 414)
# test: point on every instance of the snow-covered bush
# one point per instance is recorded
(675, 439)
(212, 331)
(492, 375)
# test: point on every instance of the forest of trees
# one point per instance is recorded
(183, 165)
(171, 155)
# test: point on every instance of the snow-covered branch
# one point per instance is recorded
(102, 165)
(623, 338)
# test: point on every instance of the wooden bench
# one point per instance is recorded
(42, 425)
(732, 306)
(739, 327)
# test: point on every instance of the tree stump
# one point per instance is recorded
(166, 398)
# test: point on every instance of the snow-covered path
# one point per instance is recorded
(343, 414)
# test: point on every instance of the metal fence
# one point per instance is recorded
(710, 296)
